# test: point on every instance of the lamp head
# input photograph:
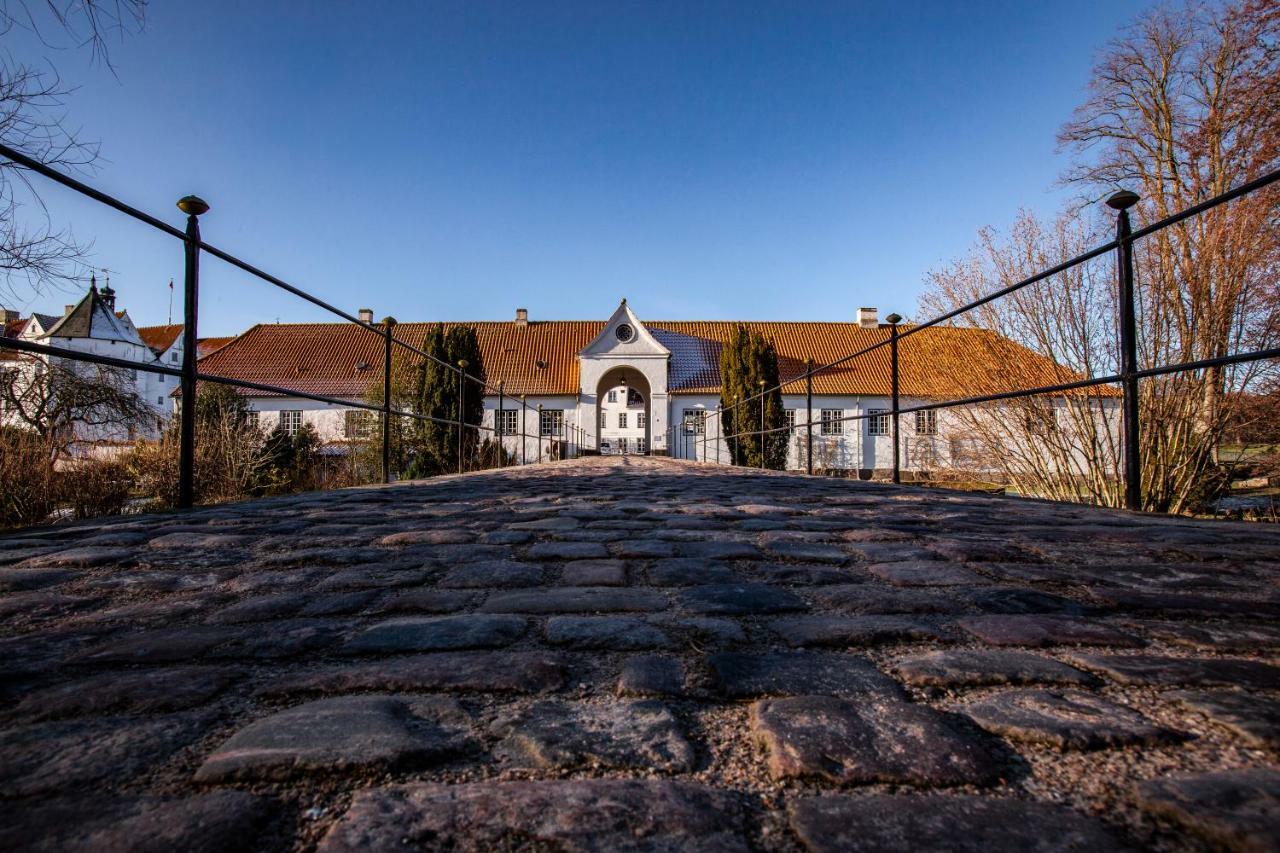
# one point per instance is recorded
(894, 319)
(1122, 200)
(193, 205)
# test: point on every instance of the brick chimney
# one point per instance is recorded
(366, 316)
(522, 316)
(868, 318)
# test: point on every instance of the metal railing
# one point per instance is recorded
(1127, 378)
(562, 442)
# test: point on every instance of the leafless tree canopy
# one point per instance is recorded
(1184, 105)
(34, 249)
(65, 402)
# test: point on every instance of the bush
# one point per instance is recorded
(93, 489)
(26, 479)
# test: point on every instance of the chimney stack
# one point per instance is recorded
(868, 318)
(366, 316)
(522, 316)
(10, 316)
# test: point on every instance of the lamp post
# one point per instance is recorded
(388, 335)
(524, 428)
(808, 414)
(497, 424)
(761, 384)
(894, 320)
(194, 207)
(1121, 202)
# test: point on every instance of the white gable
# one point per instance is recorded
(624, 336)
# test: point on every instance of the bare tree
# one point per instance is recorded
(1065, 447)
(66, 403)
(1185, 106)
(33, 248)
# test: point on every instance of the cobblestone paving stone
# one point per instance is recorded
(640, 654)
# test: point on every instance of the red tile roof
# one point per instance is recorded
(160, 338)
(343, 360)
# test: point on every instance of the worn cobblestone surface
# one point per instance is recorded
(637, 654)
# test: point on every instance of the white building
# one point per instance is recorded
(93, 325)
(629, 386)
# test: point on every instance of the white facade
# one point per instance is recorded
(624, 404)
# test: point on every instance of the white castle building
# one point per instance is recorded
(626, 385)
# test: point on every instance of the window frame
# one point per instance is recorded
(929, 419)
(879, 422)
(551, 422)
(287, 415)
(832, 422)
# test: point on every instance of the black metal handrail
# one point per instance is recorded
(1127, 378)
(189, 375)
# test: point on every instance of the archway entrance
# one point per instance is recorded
(622, 413)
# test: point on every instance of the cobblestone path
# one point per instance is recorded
(640, 654)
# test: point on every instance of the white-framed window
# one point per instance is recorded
(613, 396)
(505, 422)
(604, 417)
(789, 417)
(358, 423)
(640, 445)
(831, 422)
(252, 419)
(173, 356)
(878, 423)
(695, 421)
(1041, 418)
(291, 421)
(622, 420)
(642, 420)
(927, 423)
(622, 445)
(552, 421)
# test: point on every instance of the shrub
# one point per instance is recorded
(26, 478)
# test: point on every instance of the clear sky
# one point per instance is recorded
(706, 160)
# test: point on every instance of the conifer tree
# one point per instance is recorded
(437, 397)
(746, 359)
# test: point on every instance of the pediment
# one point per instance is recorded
(624, 336)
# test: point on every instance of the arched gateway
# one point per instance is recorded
(623, 387)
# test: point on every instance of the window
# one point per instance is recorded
(552, 421)
(927, 423)
(359, 424)
(251, 419)
(640, 445)
(622, 445)
(613, 396)
(642, 420)
(291, 421)
(506, 422)
(789, 416)
(1041, 419)
(159, 401)
(622, 420)
(603, 419)
(878, 423)
(173, 356)
(831, 423)
(695, 421)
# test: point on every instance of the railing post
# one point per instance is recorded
(462, 396)
(524, 426)
(539, 432)
(497, 429)
(719, 429)
(1121, 202)
(894, 320)
(808, 415)
(193, 207)
(388, 324)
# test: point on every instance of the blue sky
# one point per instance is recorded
(708, 160)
